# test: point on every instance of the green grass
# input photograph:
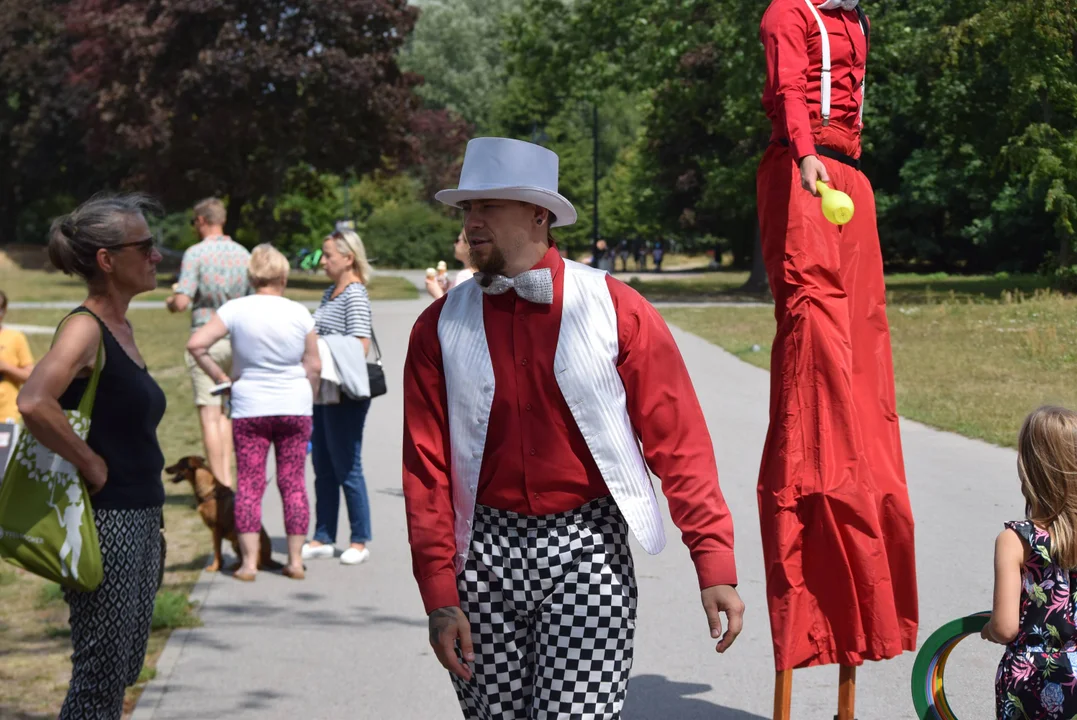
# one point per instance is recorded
(975, 366)
(901, 288)
(42, 286)
(720, 285)
(172, 610)
(50, 593)
(391, 287)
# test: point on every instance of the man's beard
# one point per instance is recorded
(492, 262)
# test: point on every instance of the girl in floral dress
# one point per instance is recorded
(1035, 568)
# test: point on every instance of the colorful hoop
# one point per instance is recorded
(928, 693)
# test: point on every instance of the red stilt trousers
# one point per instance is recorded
(833, 503)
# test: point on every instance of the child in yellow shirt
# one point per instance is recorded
(16, 362)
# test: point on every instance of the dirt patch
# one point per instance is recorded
(25, 256)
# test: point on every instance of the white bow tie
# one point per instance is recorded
(839, 4)
(534, 285)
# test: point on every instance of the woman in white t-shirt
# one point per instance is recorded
(276, 369)
(462, 252)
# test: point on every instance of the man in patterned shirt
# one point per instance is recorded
(213, 272)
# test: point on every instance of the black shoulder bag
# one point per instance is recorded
(374, 371)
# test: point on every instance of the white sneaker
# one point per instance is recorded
(313, 552)
(351, 556)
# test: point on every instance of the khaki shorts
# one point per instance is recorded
(221, 352)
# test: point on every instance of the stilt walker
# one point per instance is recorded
(834, 508)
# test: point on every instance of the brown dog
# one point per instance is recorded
(216, 505)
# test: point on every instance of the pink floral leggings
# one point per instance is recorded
(289, 434)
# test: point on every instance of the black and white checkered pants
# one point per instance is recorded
(110, 626)
(552, 606)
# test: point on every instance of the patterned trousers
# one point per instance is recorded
(288, 434)
(111, 625)
(552, 606)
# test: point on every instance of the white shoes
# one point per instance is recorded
(351, 556)
(313, 552)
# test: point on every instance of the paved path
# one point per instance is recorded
(351, 642)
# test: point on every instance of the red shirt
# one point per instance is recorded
(536, 460)
(792, 95)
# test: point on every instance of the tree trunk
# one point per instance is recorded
(757, 280)
(9, 215)
(235, 214)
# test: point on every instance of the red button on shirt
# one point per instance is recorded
(538, 463)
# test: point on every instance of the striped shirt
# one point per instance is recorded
(347, 314)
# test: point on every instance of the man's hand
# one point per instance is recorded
(177, 302)
(812, 169)
(449, 626)
(718, 599)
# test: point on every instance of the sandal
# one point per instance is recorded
(293, 574)
(244, 576)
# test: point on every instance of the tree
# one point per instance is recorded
(455, 48)
(40, 153)
(201, 97)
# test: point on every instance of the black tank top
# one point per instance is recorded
(123, 428)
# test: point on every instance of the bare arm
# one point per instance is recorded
(1010, 553)
(19, 371)
(187, 285)
(200, 343)
(39, 401)
(312, 361)
(178, 303)
(433, 288)
(18, 375)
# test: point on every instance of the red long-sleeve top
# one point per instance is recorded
(792, 95)
(536, 459)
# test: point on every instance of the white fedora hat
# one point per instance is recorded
(505, 169)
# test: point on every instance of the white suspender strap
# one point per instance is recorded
(824, 41)
(863, 82)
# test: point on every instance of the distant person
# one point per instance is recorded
(658, 253)
(641, 255)
(276, 369)
(213, 272)
(16, 363)
(1033, 613)
(601, 259)
(338, 427)
(107, 243)
(461, 253)
(622, 253)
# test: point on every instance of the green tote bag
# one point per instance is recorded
(46, 523)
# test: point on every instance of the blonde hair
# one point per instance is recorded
(1047, 466)
(348, 242)
(267, 266)
(212, 211)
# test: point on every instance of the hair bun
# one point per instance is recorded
(68, 229)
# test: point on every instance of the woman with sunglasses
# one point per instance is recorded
(107, 242)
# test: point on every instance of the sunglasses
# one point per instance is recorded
(146, 246)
